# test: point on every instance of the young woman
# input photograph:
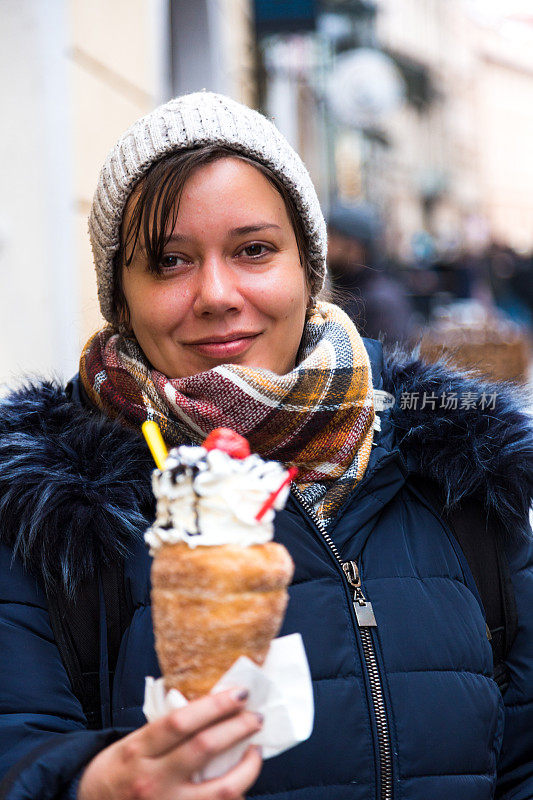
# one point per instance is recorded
(210, 246)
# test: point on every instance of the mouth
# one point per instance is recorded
(221, 347)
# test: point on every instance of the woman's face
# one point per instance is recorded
(232, 289)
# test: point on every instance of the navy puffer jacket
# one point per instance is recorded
(405, 710)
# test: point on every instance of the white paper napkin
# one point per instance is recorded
(281, 690)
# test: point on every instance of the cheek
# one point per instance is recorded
(287, 310)
(143, 314)
(287, 296)
(296, 297)
(292, 310)
(155, 309)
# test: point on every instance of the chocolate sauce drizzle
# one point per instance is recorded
(190, 471)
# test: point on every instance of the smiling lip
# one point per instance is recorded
(224, 346)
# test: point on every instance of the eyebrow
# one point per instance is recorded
(261, 226)
(242, 231)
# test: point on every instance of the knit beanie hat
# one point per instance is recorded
(195, 120)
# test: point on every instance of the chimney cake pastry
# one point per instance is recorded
(219, 582)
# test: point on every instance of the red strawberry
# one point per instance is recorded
(227, 440)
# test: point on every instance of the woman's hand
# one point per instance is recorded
(157, 761)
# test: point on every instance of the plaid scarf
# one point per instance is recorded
(318, 417)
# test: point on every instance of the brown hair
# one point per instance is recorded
(157, 205)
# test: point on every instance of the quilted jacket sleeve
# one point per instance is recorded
(515, 769)
(44, 743)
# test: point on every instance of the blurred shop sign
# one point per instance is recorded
(354, 8)
(280, 16)
(298, 16)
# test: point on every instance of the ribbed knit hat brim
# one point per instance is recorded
(189, 121)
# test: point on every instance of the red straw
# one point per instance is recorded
(269, 502)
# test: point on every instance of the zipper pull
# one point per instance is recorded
(363, 608)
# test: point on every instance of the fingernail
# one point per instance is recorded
(260, 717)
(241, 695)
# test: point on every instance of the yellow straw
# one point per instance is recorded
(157, 446)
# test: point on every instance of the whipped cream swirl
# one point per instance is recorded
(206, 497)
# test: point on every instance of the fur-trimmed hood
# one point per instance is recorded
(75, 486)
(472, 438)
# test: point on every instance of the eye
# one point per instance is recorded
(171, 261)
(255, 250)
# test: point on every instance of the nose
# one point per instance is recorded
(217, 289)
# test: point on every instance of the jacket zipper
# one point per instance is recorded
(364, 615)
(366, 620)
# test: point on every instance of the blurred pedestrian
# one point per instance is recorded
(375, 300)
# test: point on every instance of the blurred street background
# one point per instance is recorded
(414, 118)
